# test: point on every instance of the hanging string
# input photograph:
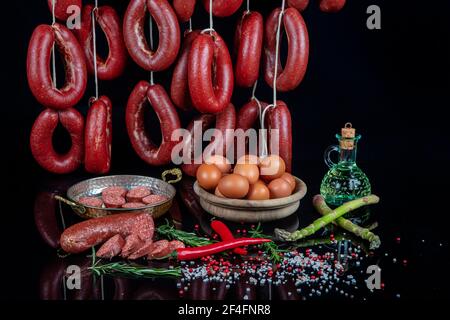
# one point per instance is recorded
(54, 47)
(211, 20)
(151, 46)
(94, 47)
(248, 6)
(277, 53)
(190, 24)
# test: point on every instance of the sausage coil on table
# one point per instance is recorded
(62, 6)
(41, 140)
(97, 139)
(223, 8)
(248, 43)
(179, 88)
(280, 118)
(168, 117)
(135, 39)
(210, 73)
(109, 21)
(224, 120)
(184, 9)
(38, 67)
(291, 75)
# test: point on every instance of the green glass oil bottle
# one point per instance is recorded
(344, 181)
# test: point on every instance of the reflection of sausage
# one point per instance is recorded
(280, 118)
(42, 144)
(331, 5)
(184, 9)
(134, 35)
(179, 88)
(199, 290)
(245, 291)
(167, 114)
(300, 5)
(61, 7)
(289, 77)
(109, 22)
(210, 74)
(223, 8)
(97, 158)
(38, 70)
(248, 42)
(45, 217)
(84, 235)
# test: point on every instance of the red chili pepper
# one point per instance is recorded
(198, 252)
(225, 233)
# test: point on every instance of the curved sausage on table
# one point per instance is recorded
(210, 74)
(61, 7)
(84, 235)
(179, 88)
(41, 140)
(248, 42)
(168, 117)
(280, 118)
(135, 39)
(289, 76)
(223, 8)
(109, 22)
(38, 67)
(97, 139)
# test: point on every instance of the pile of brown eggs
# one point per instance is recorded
(251, 178)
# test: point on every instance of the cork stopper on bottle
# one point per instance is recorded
(348, 134)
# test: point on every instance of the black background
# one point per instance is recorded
(392, 84)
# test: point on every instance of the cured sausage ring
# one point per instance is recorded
(179, 88)
(184, 9)
(210, 74)
(97, 138)
(248, 41)
(331, 5)
(42, 145)
(38, 68)
(61, 7)
(109, 22)
(168, 117)
(289, 77)
(300, 5)
(279, 118)
(224, 120)
(223, 8)
(134, 35)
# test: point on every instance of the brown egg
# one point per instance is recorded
(208, 176)
(250, 171)
(234, 186)
(279, 188)
(248, 159)
(272, 167)
(258, 191)
(221, 162)
(289, 178)
(218, 193)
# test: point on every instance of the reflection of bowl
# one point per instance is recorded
(94, 187)
(251, 210)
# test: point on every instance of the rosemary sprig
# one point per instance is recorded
(271, 248)
(131, 270)
(190, 239)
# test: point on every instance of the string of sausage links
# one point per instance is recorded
(94, 47)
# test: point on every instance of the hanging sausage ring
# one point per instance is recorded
(169, 34)
(38, 68)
